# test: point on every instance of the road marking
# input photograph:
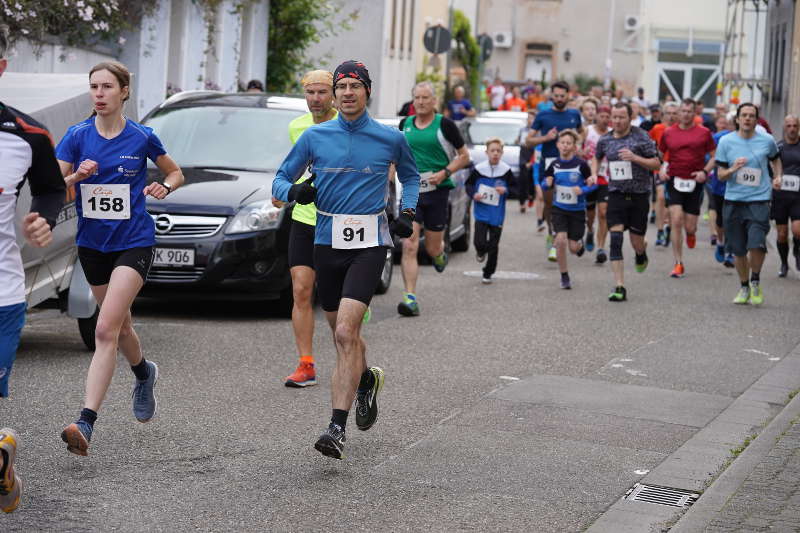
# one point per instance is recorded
(509, 378)
(637, 373)
(502, 274)
(617, 365)
(774, 358)
(641, 472)
(759, 352)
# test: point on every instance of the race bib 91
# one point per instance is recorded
(354, 231)
(790, 182)
(109, 202)
(620, 170)
(684, 185)
(488, 195)
(748, 176)
(565, 195)
(424, 184)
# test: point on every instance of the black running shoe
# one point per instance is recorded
(783, 270)
(367, 401)
(331, 443)
(601, 257)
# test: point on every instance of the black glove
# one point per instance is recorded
(403, 226)
(302, 193)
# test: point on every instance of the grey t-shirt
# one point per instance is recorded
(790, 157)
(638, 142)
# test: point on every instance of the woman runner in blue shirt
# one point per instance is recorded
(105, 158)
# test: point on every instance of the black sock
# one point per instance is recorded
(540, 221)
(783, 251)
(142, 371)
(795, 247)
(339, 417)
(367, 380)
(745, 285)
(755, 278)
(564, 276)
(88, 416)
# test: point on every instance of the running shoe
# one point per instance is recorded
(678, 271)
(522, 209)
(713, 240)
(729, 263)
(667, 234)
(481, 257)
(756, 294)
(601, 256)
(743, 296)
(77, 436)
(618, 295)
(691, 240)
(530, 203)
(705, 216)
(409, 305)
(660, 238)
(440, 262)
(652, 217)
(590, 242)
(566, 284)
(641, 263)
(486, 281)
(367, 316)
(303, 376)
(581, 250)
(143, 394)
(783, 270)
(540, 225)
(10, 483)
(552, 255)
(331, 443)
(719, 253)
(548, 242)
(367, 401)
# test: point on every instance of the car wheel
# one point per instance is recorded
(87, 327)
(462, 243)
(386, 276)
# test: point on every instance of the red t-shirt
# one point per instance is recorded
(687, 149)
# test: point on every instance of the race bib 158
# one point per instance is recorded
(110, 202)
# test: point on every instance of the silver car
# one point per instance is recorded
(477, 130)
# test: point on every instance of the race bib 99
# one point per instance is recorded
(488, 195)
(424, 184)
(565, 195)
(109, 202)
(620, 170)
(790, 182)
(354, 231)
(748, 176)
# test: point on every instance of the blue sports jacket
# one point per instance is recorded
(351, 162)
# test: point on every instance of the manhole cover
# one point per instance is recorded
(661, 495)
(502, 274)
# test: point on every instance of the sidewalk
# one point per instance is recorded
(760, 491)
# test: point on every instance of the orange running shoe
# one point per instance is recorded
(10, 483)
(678, 271)
(691, 240)
(303, 376)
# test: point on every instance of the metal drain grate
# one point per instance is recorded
(661, 495)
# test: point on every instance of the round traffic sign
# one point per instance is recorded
(437, 39)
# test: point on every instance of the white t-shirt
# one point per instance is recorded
(498, 95)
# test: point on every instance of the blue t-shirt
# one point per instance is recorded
(759, 150)
(561, 120)
(457, 109)
(714, 184)
(121, 160)
(544, 106)
(566, 175)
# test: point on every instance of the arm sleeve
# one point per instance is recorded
(721, 155)
(662, 143)
(467, 105)
(710, 144)
(407, 173)
(586, 172)
(47, 185)
(548, 172)
(451, 133)
(600, 150)
(291, 169)
(402, 124)
(537, 124)
(508, 177)
(469, 185)
(648, 148)
(154, 147)
(774, 153)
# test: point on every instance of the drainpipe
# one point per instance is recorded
(607, 80)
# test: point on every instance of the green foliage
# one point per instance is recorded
(73, 22)
(467, 52)
(293, 26)
(586, 82)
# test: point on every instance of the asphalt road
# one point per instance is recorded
(501, 409)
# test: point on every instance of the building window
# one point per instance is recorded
(402, 28)
(688, 69)
(392, 29)
(411, 28)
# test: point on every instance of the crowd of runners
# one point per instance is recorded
(593, 167)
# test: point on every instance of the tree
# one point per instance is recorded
(293, 26)
(467, 51)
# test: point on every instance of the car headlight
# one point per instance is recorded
(257, 216)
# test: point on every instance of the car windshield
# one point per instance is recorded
(225, 137)
(480, 130)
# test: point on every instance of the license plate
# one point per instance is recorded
(173, 257)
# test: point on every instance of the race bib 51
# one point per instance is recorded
(488, 195)
(424, 184)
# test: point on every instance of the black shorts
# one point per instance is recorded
(432, 209)
(689, 201)
(785, 206)
(573, 223)
(629, 210)
(591, 200)
(350, 274)
(717, 202)
(301, 244)
(98, 265)
(602, 194)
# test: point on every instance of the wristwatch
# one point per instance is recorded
(447, 172)
(167, 186)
